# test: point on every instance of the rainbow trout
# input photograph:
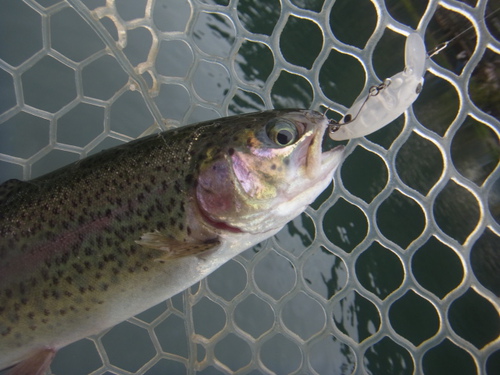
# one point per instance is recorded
(98, 241)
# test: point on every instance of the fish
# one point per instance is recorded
(89, 245)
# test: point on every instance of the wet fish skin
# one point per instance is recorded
(87, 246)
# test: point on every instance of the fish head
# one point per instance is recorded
(270, 169)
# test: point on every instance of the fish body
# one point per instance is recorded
(96, 242)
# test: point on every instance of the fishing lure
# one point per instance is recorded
(387, 101)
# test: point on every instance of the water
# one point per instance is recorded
(330, 280)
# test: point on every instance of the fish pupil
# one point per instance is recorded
(284, 137)
(282, 133)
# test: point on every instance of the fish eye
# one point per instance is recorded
(282, 133)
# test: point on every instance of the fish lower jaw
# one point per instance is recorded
(321, 173)
(301, 195)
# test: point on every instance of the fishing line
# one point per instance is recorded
(441, 46)
(373, 91)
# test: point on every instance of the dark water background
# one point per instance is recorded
(474, 152)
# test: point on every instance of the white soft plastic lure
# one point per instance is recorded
(388, 101)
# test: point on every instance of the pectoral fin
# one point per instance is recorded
(36, 364)
(173, 248)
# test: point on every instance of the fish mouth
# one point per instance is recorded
(317, 163)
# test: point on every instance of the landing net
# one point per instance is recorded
(394, 269)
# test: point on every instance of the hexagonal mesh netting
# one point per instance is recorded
(394, 269)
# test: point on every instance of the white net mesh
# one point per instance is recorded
(394, 270)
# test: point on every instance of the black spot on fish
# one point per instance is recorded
(65, 258)
(75, 249)
(230, 151)
(189, 179)
(6, 331)
(158, 206)
(99, 241)
(22, 288)
(78, 268)
(8, 293)
(141, 197)
(55, 294)
(119, 234)
(177, 187)
(68, 293)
